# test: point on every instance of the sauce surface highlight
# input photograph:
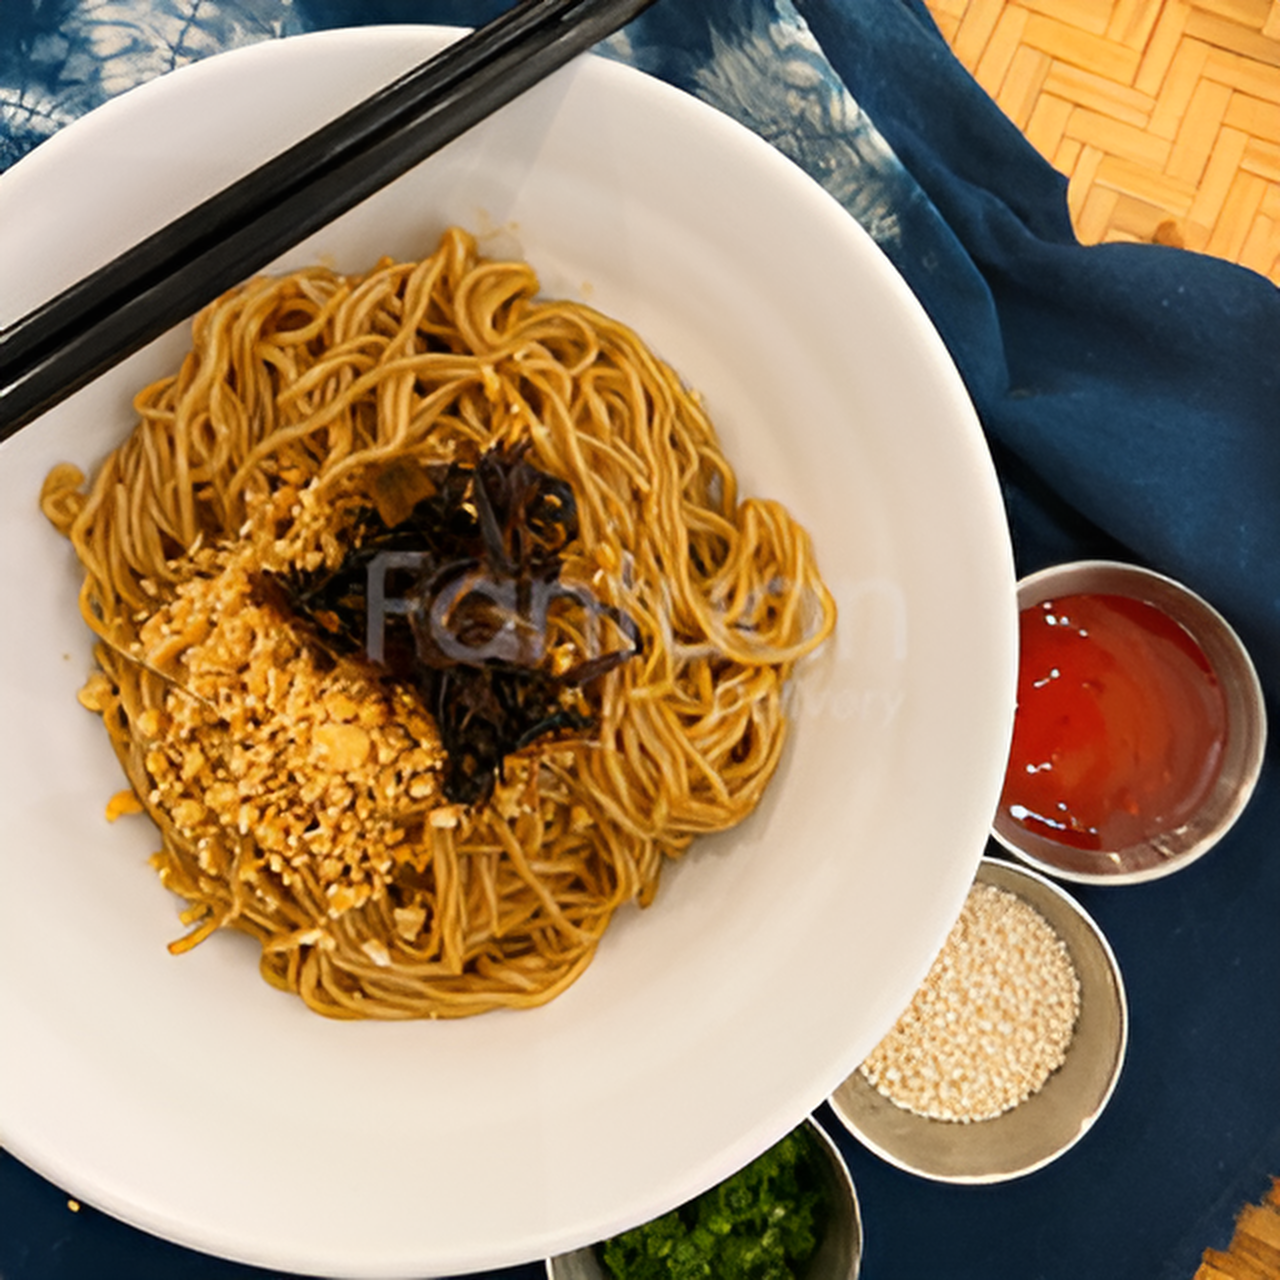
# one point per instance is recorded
(1120, 723)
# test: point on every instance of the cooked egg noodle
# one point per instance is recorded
(293, 802)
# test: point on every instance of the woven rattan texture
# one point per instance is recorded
(1164, 114)
(1255, 1247)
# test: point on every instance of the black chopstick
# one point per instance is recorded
(68, 341)
(361, 126)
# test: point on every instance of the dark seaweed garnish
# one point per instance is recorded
(451, 577)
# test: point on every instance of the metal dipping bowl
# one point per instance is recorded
(1051, 1121)
(1170, 850)
(839, 1254)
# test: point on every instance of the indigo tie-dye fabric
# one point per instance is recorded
(1131, 398)
(61, 58)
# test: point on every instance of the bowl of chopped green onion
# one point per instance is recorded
(791, 1212)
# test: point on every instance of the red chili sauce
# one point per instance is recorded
(1120, 724)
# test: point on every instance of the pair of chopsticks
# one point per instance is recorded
(69, 340)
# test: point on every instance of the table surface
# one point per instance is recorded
(1191, 1135)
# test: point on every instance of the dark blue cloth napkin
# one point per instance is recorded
(1131, 398)
(1134, 386)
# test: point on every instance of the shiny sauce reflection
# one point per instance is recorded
(1120, 724)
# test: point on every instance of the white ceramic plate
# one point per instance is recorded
(186, 1096)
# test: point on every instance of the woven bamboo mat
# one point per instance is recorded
(1255, 1247)
(1164, 114)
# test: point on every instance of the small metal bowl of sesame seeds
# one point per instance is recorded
(1011, 1048)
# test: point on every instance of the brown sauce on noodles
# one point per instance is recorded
(302, 790)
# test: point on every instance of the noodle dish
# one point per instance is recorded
(480, 700)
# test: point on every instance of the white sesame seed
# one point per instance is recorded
(992, 1020)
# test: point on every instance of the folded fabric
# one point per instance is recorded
(1136, 386)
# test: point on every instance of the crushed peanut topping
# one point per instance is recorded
(98, 693)
(122, 803)
(261, 735)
